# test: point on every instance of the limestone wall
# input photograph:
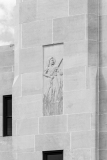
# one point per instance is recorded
(46, 23)
(6, 82)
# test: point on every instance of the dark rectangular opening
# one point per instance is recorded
(7, 115)
(53, 155)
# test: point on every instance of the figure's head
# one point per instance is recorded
(52, 61)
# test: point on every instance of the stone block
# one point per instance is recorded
(30, 156)
(92, 27)
(1, 99)
(102, 54)
(31, 60)
(27, 99)
(16, 91)
(18, 38)
(94, 122)
(31, 83)
(6, 144)
(25, 143)
(74, 71)
(67, 154)
(83, 139)
(102, 102)
(6, 69)
(82, 154)
(92, 53)
(27, 110)
(52, 9)
(6, 58)
(93, 60)
(7, 155)
(6, 81)
(77, 154)
(53, 124)
(75, 7)
(103, 79)
(93, 47)
(37, 33)
(103, 7)
(79, 122)
(103, 123)
(16, 64)
(93, 7)
(97, 141)
(28, 11)
(82, 101)
(69, 29)
(94, 154)
(103, 140)
(102, 154)
(90, 6)
(91, 77)
(1, 126)
(75, 61)
(102, 28)
(1, 106)
(75, 48)
(74, 82)
(52, 142)
(14, 125)
(14, 143)
(27, 126)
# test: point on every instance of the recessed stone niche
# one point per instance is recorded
(53, 79)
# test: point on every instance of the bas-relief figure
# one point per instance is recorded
(53, 86)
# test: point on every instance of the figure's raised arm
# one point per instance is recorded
(46, 73)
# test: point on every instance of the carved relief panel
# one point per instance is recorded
(53, 80)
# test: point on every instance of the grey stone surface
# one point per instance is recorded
(28, 11)
(30, 156)
(40, 27)
(82, 139)
(30, 60)
(53, 124)
(52, 9)
(103, 140)
(70, 28)
(37, 33)
(52, 142)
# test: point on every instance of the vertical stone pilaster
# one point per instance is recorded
(102, 80)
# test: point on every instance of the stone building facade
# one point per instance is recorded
(59, 87)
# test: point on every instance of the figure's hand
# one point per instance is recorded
(61, 73)
(52, 77)
(56, 69)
